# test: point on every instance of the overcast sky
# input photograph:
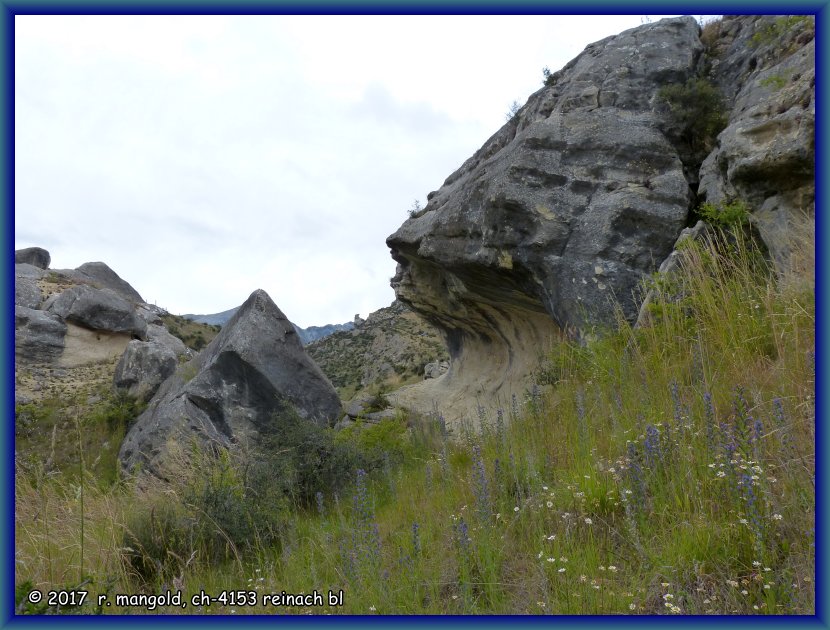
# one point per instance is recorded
(203, 157)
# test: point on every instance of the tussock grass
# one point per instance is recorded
(663, 470)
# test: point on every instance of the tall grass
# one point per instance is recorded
(667, 469)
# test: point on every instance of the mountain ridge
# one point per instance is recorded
(307, 335)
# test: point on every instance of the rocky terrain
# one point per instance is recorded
(549, 229)
(547, 232)
(637, 239)
(392, 347)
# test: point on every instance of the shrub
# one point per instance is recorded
(777, 29)
(725, 215)
(697, 108)
(710, 34)
(774, 81)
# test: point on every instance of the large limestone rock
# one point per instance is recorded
(26, 290)
(145, 365)
(555, 219)
(98, 309)
(105, 277)
(766, 155)
(36, 256)
(237, 387)
(38, 336)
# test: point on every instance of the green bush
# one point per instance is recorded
(696, 106)
(774, 81)
(373, 443)
(775, 30)
(725, 215)
(227, 507)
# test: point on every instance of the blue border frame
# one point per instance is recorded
(10, 8)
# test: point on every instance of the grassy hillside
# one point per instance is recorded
(195, 335)
(665, 470)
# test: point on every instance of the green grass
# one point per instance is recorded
(194, 335)
(664, 470)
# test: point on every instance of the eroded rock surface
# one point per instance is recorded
(36, 256)
(38, 336)
(237, 387)
(765, 157)
(557, 217)
(98, 309)
(145, 365)
(105, 277)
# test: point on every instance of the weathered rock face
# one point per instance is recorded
(145, 365)
(36, 256)
(390, 347)
(558, 216)
(253, 371)
(26, 292)
(38, 336)
(105, 277)
(98, 309)
(765, 66)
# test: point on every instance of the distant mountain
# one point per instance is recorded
(313, 333)
(217, 319)
(306, 335)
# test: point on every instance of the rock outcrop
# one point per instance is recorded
(389, 348)
(145, 365)
(38, 336)
(36, 256)
(555, 220)
(74, 317)
(765, 66)
(106, 278)
(235, 389)
(550, 227)
(97, 309)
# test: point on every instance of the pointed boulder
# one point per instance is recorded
(234, 391)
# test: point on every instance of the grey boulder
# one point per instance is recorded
(38, 336)
(27, 270)
(766, 154)
(565, 208)
(235, 391)
(36, 256)
(145, 365)
(98, 309)
(105, 277)
(26, 292)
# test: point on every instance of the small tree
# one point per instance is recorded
(414, 209)
(512, 110)
(697, 108)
